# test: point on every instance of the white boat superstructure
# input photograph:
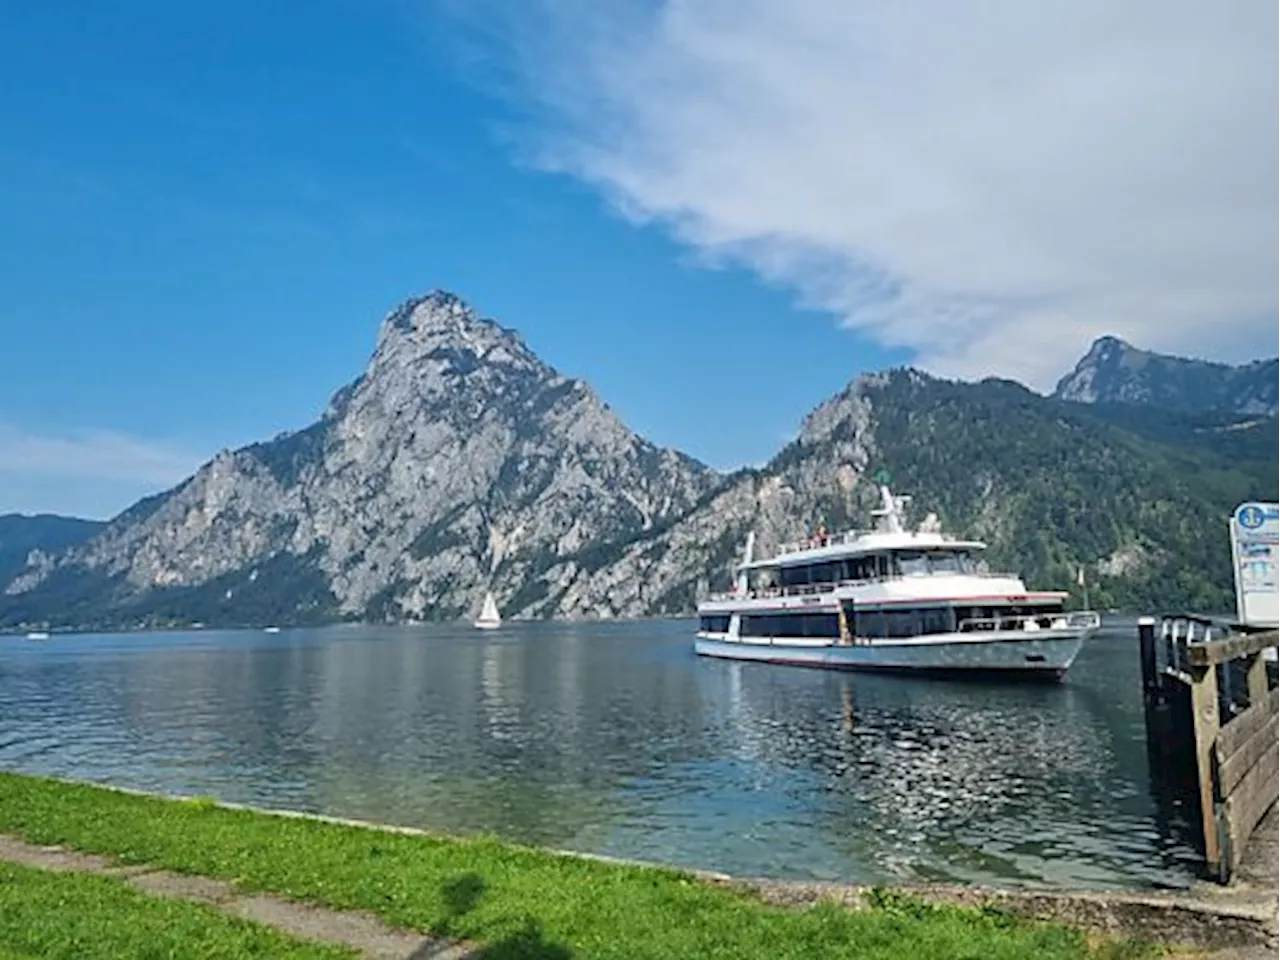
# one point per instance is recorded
(890, 599)
(489, 618)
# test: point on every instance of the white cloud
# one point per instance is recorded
(92, 473)
(989, 183)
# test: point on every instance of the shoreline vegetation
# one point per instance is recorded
(504, 900)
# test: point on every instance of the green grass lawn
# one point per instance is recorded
(84, 917)
(522, 903)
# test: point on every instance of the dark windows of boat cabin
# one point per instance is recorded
(910, 563)
(765, 578)
(812, 574)
(949, 561)
(859, 568)
(816, 625)
(716, 623)
(917, 563)
(833, 571)
(1005, 617)
(901, 563)
(897, 624)
(794, 576)
(936, 620)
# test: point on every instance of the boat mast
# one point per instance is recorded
(891, 511)
(740, 585)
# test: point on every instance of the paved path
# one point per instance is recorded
(1258, 878)
(345, 928)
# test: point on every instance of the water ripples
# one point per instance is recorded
(615, 739)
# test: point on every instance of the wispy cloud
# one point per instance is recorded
(96, 454)
(988, 183)
(91, 473)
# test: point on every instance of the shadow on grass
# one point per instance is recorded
(461, 895)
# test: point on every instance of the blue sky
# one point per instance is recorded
(208, 209)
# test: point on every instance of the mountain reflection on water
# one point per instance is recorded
(614, 738)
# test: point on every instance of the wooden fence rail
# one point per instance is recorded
(1208, 702)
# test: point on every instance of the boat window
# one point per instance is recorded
(944, 561)
(825, 572)
(794, 576)
(811, 574)
(858, 568)
(764, 579)
(936, 620)
(911, 563)
(974, 618)
(951, 561)
(915, 563)
(715, 624)
(816, 625)
(869, 623)
(900, 624)
(882, 565)
(822, 625)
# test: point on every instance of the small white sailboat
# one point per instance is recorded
(489, 618)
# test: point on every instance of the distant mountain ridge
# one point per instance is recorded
(459, 462)
(1114, 371)
(48, 533)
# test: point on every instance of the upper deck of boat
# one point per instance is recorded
(851, 543)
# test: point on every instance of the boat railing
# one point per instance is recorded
(1076, 620)
(837, 539)
(814, 542)
(812, 589)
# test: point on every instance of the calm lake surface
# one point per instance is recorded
(614, 738)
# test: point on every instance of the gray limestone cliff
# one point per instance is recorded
(456, 462)
(1114, 371)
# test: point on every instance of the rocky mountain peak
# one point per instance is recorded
(1099, 370)
(1107, 348)
(1113, 371)
(844, 413)
(437, 349)
(441, 326)
(458, 462)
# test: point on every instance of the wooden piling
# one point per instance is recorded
(1147, 647)
(1204, 732)
(1230, 747)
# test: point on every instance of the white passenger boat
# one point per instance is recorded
(891, 599)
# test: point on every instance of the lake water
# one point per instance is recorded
(614, 738)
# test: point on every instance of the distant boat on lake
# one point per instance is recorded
(270, 629)
(489, 618)
(38, 635)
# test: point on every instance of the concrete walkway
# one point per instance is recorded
(363, 932)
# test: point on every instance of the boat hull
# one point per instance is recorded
(1047, 654)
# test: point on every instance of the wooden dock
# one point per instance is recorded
(1211, 710)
